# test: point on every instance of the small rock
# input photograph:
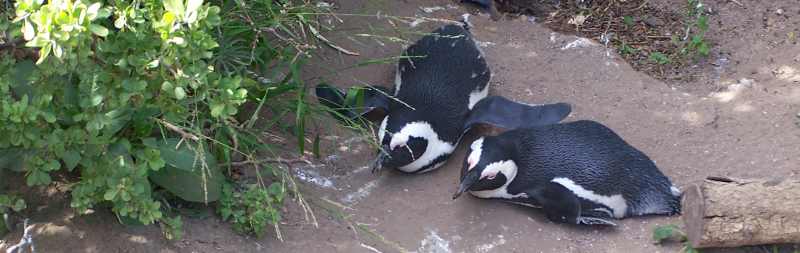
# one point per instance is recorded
(653, 21)
(779, 11)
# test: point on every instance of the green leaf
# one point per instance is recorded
(191, 10)
(628, 20)
(37, 177)
(120, 22)
(217, 109)
(130, 221)
(13, 159)
(27, 30)
(665, 232)
(117, 119)
(93, 10)
(98, 30)
(52, 165)
(174, 6)
(131, 85)
(152, 64)
(71, 159)
(103, 13)
(4, 228)
(316, 146)
(19, 205)
(43, 53)
(22, 78)
(111, 194)
(184, 174)
(180, 93)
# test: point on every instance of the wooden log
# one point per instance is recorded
(724, 212)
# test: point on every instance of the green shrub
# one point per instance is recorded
(252, 209)
(131, 93)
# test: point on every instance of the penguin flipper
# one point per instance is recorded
(563, 206)
(558, 203)
(482, 3)
(507, 114)
(375, 103)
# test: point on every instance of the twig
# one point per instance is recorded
(737, 3)
(25, 241)
(329, 43)
(389, 96)
(370, 248)
(178, 130)
(288, 162)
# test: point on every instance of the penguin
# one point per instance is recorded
(579, 172)
(440, 92)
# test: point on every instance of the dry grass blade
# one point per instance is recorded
(329, 43)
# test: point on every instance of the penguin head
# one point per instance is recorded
(488, 166)
(405, 144)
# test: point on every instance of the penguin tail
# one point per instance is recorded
(675, 202)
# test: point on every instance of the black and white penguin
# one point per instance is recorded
(578, 172)
(440, 92)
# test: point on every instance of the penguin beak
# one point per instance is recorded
(466, 183)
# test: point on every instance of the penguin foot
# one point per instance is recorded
(377, 164)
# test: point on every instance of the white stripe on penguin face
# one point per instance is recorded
(509, 170)
(436, 147)
(615, 202)
(475, 156)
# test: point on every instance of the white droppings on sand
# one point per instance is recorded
(370, 248)
(485, 43)
(432, 9)
(312, 176)
(484, 248)
(787, 73)
(733, 91)
(744, 107)
(433, 243)
(692, 117)
(578, 43)
(361, 169)
(361, 193)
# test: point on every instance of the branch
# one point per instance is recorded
(178, 130)
(25, 241)
(287, 162)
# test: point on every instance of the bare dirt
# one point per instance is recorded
(739, 121)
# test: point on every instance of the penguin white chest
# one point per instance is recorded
(617, 204)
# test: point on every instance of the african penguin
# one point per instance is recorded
(578, 172)
(440, 92)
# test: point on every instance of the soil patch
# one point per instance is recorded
(651, 39)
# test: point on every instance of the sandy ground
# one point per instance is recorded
(740, 121)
